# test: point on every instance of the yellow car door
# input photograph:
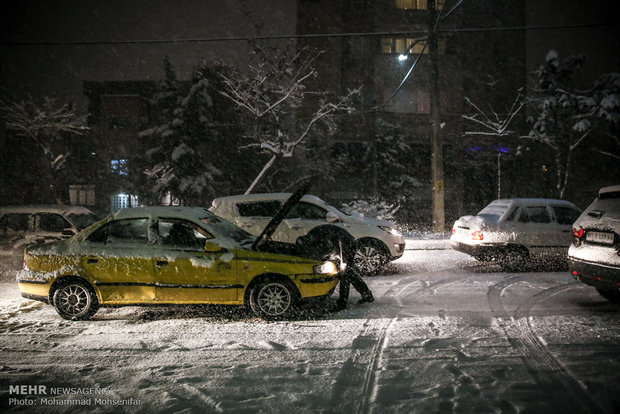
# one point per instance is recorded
(187, 273)
(118, 258)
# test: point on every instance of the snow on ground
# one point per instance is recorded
(446, 334)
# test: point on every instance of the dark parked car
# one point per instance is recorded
(594, 256)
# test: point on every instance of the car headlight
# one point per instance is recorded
(327, 268)
(392, 230)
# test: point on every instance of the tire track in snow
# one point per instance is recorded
(546, 369)
(377, 331)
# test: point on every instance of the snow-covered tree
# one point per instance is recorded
(271, 93)
(563, 117)
(493, 128)
(48, 124)
(184, 158)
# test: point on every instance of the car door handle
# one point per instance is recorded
(162, 263)
(92, 261)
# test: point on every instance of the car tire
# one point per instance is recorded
(75, 300)
(612, 295)
(370, 257)
(514, 259)
(274, 299)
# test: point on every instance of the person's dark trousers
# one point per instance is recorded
(349, 278)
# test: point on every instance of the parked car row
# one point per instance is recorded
(515, 232)
(253, 250)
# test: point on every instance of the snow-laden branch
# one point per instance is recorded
(494, 124)
(274, 88)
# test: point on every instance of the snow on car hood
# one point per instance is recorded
(358, 219)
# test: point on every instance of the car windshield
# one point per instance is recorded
(493, 212)
(227, 229)
(81, 221)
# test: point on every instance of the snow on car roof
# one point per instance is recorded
(52, 208)
(263, 197)
(163, 211)
(610, 189)
(531, 201)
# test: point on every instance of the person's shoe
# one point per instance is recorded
(366, 299)
(340, 305)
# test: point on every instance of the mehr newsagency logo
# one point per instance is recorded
(43, 395)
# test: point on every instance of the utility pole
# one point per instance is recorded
(436, 138)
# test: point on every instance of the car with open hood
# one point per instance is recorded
(377, 241)
(594, 255)
(174, 255)
(516, 231)
(22, 226)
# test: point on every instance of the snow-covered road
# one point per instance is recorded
(445, 334)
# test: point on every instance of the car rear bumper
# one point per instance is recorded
(594, 274)
(482, 251)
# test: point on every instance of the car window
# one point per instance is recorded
(132, 231)
(259, 209)
(81, 221)
(182, 234)
(307, 211)
(513, 214)
(493, 212)
(14, 223)
(565, 215)
(538, 214)
(52, 222)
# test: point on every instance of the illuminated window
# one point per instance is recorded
(119, 167)
(416, 4)
(398, 46)
(120, 201)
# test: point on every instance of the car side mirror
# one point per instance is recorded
(212, 247)
(331, 217)
(68, 232)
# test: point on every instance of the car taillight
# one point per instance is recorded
(477, 235)
(453, 230)
(578, 233)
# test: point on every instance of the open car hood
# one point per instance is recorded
(279, 216)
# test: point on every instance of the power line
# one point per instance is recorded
(303, 36)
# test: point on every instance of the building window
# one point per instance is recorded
(416, 4)
(119, 167)
(121, 201)
(412, 46)
(82, 195)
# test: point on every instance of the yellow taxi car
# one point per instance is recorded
(172, 255)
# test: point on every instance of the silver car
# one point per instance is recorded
(594, 256)
(515, 231)
(22, 226)
(378, 241)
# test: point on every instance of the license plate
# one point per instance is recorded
(600, 237)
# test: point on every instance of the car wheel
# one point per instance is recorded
(514, 259)
(369, 258)
(612, 295)
(75, 300)
(273, 299)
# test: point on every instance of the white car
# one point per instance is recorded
(515, 231)
(22, 226)
(594, 256)
(378, 241)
